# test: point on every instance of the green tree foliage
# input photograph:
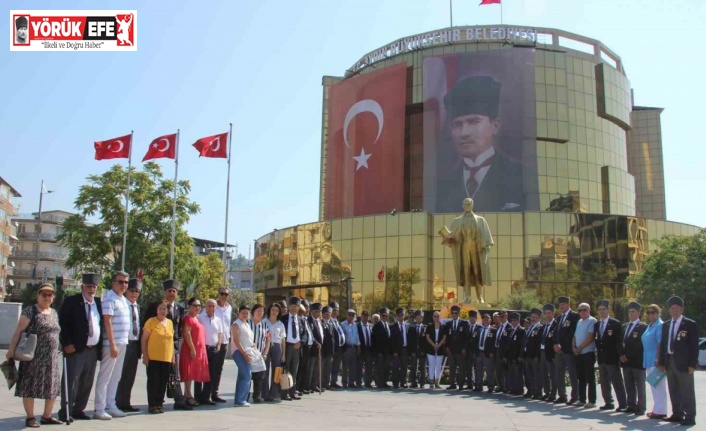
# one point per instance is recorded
(240, 297)
(398, 291)
(678, 267)
(581, 286)
(210, 278)
(94, 236)
(522, 298)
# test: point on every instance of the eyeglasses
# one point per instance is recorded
(583, 309)
(384, 315)
(47, 295)
(454, 312)
(120, 281)
(652, 312)
(224, 293)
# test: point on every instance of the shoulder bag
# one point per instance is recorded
(24, 351)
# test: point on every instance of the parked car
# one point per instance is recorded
(702, 352)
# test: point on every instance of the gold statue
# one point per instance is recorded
(470, 240)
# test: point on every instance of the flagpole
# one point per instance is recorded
(127, 200)
(176, 172)
(451, 13)
(225, 240)
(501, 13)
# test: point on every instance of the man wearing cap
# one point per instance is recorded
(531, 350)
(339, 341)
(564, 360)
(382, 346)
(224, 311)
(584, 346)
(175, 313)
(365, 361)
(351, 350)
(292, 325)
(81, 341)
(471, 351)
(631, 355)
(500, 346)
(312, 383)
(400, 350)
(678, 357)
(607, 332)
(485, 358)
(133, 351)
(307, 342)
(480, 172)
(21, 26)
(513, 355)
(417, 349)
(456, 343)
(329, 346)
(546, 354)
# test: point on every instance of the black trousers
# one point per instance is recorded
(470, 368)
(127, 379)
(382, 369)
(586, 376)
(336, 364)
(399, 367)
(81, 370)
(258, 385)
(302, 384)
(293, 356)
(457, 365)
(313, 367)
(157, 378)
(203, 391)
(217, 370)
(417, 361)
(365, 367)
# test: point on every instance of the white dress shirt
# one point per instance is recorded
(225, 314)
(673, 333)
(482, 172)
(134, 335)
(94, 321)
(212, 327)
(292, 329)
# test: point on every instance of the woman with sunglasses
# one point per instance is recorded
(193, 362)
(40, 377)
(436, 337)
(651, 339)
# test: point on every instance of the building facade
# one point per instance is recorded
(38, 255)
(573, 186)
(8, 236)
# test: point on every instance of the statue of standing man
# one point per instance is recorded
(470, 241)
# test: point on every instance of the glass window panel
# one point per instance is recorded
(438, 268)
(503, 245)
(547, 223)
(358, 227)
(392, 247)
(381, 225)
(492, 220)
(518, 271)
(516, 224)
(504, 268)
(437, 248)
(503, 227)
(419, 246)
(405, 224)
(420, 223)
(392, 226)
(449, 274)
(532, 223)
(369, 248)
(357, 270)
(516, 246)
(369, 227)
(346, 228)
(380, 248)
(346, 249)
(405, 246)
(336, 229)
(533, 244)
(369, 272)
(357, 249)
(421, 264)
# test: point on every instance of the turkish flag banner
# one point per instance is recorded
(365, 148)
(116, 148)
(486, 2)
(163, 147)
(213, 146)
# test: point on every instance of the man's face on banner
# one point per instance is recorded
(22, 33)
(473, 134)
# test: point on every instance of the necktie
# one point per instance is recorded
(90, 320)
(501, 329)
(367, 335)
(602, 327)
(472, 184)
(419, 330)
(455, 325)
(546, 330)
(627, 333)
(561, 324)
(134, 319)
(404, 335)
(295, 329)
(387, 329)
(482, 338)
(672, 337)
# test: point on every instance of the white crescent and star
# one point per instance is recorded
(120, 148)
(365, 105)
(218, 144)
(166, 147)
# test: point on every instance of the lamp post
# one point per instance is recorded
(38, 230)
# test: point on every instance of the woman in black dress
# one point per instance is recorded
(436, 337)
(39, 378)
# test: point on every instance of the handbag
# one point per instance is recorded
(257, 363)
(286, 380)
(24, 351)
(10, 371)
(172, 383)
(277, 375)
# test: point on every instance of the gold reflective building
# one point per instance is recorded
(593, 182)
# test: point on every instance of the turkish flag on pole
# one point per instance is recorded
(213, 146)
(116, 148)
(485, 2)
(365, 148)
(163, 147)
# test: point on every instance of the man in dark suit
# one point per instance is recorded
(382, 347)
(485, 354)
(133, 352)
(678, 357)
(564, 358)
(473, 326)
(339, 342)
(365, 362)
(317, 332)
(417, 349)
(307, 342)
(531, 352)
(81, 322)
(546, 354)
(292, 324)
(631, 359)
(480, 172)
(513, 354)
(400, 350)
(500, 367)
(328, 347)
(456, 343)
(607, 332)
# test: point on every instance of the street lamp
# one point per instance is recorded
(38, 230)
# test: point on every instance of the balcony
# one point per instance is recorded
(44, 236)
(27, 273)
(49, 218)
(43, 255)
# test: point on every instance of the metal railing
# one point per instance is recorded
(27, 273)
(42, 254)
(52, 218)
(48, 236)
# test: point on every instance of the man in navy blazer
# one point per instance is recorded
(81, 322)
(678, 357)
(564, 359)
(607, 332)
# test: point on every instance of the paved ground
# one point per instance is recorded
(407, 409)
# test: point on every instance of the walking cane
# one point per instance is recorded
(443, 364)
(67, 394)
(319, 366)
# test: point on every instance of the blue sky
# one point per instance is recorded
(259, 64)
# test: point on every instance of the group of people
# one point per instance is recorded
(309, 343)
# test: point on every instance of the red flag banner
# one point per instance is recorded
(163, 147)
(365, 148)
(116, 148)
(381, 273)
(213, 146)
(485, 2)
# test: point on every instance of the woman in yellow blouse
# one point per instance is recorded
(158, 356)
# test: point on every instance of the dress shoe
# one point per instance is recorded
(404, 386)
(451, 387)
(571, 402)
(258, 401)
(537, 397)
(182, 406)
(395, 386)
(306, 392)
(296, 398)
(688, 423)
(217, 399)
(385, 386)
(336, 386)
(81, 416)
(655, 416)
(207, 403)
(673, 418)
(478, 390)
(629, 410)
(129, 409)
(414, 386)
(287, 398)
(607, 407)
(621, 409)
(102, 415)
(527, 395)
(639, 413)
(498, 390)
(491, 390)
(516, 393)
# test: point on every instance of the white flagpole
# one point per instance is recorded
(451, 13)
(176, 172)
(127, 200)
(225, 241)
(501, 13)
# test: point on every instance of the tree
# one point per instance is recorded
(676, 268)
(210, 278)
(522, 298)
(97, 246)
(580, 285)
(240, 262)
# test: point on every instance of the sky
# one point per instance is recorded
(259, 65)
